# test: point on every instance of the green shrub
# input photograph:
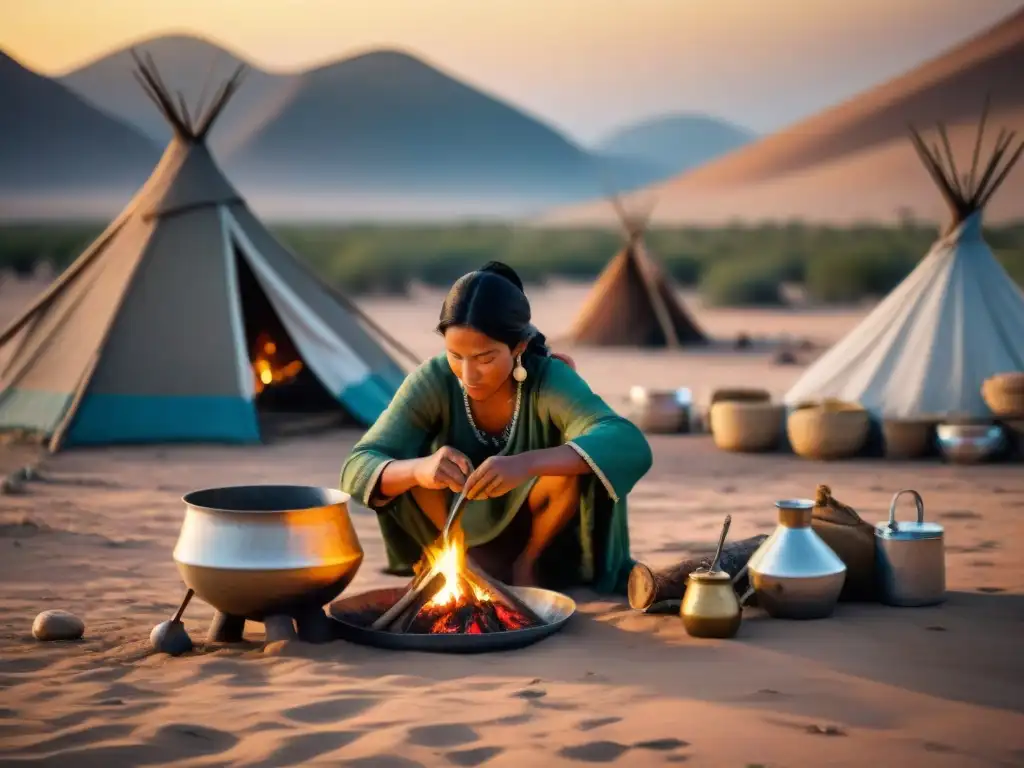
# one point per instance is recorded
(741, 282)
(735, 264)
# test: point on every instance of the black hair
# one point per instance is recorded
(491, 300)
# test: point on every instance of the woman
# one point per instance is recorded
(545, 463)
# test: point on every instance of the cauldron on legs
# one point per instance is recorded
(268, 553)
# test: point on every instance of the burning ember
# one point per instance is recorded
(267, 365)
(447, 597)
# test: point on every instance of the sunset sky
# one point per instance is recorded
(584, 65)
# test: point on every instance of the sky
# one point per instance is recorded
(585, 66)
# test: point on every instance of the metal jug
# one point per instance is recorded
(911, 558)
(795, 574)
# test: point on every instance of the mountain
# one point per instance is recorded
(185, 64)
(676, 142)
(386, 121)
(52, 141)
(854, 161)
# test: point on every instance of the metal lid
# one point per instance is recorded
(908, 531)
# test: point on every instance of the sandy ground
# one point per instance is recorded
(940, 686)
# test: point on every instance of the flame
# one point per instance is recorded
(450, 560)
(269, 370)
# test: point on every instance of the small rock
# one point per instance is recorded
(57, 625)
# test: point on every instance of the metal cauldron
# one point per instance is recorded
(259, 550)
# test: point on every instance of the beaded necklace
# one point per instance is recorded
(500, 440)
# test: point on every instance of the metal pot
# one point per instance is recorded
(661, 411)
(259, 550)
(710, 607)
(911, 558)
(795, 574)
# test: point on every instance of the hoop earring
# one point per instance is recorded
(519, 373)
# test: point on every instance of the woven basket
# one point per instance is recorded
(830, 430)
(746, 426)
(906, 439)
(741, 396)
(1004, 395)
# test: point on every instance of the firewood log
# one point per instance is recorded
(404, 621)
(488, 618)
(647, 587)
(502, 593)
(416, 586)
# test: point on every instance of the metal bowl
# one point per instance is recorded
(661, 411)
(354, 614)
(257, 550)
(969, 443)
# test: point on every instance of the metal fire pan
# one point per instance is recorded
(353, 614)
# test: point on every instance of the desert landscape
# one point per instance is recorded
(927, 686)
(224, 241)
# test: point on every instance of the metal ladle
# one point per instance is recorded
(170, 637)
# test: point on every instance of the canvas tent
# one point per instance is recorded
(633, 302)
(956, 320)
(152, 334)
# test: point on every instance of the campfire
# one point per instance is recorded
(268, 366)
(447, 596)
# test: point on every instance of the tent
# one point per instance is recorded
(185, 316)
(633, 302)
(956, 320)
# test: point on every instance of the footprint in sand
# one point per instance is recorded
(599, 722)
(473, 757)
(662, 745)
(303, 747)
(384, 761)
(959, 514)
(193, 740)
(330, 710)
(447, 735)
(519, 719)
(531, 694)
(595, 752)
(70, 740)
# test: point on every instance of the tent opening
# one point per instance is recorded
(284, 383)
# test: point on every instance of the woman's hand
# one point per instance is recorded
(445, 468)
(497, 476)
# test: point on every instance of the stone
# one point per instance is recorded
(57, 625)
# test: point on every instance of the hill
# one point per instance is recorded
(52, 142)
(677, 142)
(185, 64)
(378, 133)
(854, 161)
(388, 121)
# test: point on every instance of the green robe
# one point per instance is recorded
(558, 408)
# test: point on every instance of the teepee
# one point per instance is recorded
(186, 317)
(633, 302)
(956, 320)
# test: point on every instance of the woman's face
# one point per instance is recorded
(482, 364)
